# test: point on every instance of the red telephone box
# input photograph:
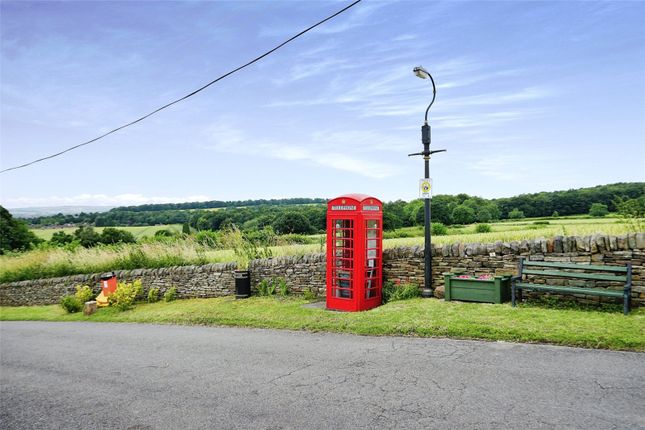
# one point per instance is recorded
(354, 252)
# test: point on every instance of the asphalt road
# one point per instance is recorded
(131, 376)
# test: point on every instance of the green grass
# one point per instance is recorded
(605, 328)
(138, 232)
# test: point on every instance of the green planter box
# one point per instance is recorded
(494, 290)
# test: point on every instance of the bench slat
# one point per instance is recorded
(617, 269)
(571, 290)
(562, 274)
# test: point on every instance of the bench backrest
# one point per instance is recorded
(546, 268)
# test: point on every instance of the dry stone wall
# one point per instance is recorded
(405, 265)
(209, 280)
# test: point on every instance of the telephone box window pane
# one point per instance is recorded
(371, 253)
(371, 234)
(371, 243)
(343, 223)
(372, 223)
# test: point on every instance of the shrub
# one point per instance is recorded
(125, 295)
(392, 292)
(60, 238)
(84, 293)
(170, 295)
(483, 228)
(438, 229)
(555, 214)
(153, 295)
(111, 235)
(541, 222)
(71, 304)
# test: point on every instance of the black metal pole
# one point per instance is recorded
(427, 284)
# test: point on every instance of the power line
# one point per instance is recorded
(187, 95)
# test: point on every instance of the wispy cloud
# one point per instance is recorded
(335, 150)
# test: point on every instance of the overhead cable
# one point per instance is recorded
(187, 95)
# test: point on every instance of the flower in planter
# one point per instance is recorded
(485, 277)
(463, 277)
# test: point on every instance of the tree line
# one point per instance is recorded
(628, 199)
(292, 215)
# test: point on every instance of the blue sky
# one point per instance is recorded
(531, 96)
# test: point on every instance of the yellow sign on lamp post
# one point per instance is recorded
(425, 188)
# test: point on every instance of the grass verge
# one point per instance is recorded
(605, 328)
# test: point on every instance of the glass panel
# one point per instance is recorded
(371, 243)
(343, 223)
(371, 234)
(371, 253)
(372, 223)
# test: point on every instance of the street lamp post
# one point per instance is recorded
(425, 140)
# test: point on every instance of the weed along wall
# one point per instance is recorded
(307, 272)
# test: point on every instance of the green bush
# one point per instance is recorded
(125, 295)
(393, 292)
(438, 229)
(153, 295)
(71, 304)
(541, 222)
(170, 295)
(483, 228)
(84, 293)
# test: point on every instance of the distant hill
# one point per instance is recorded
(55, 210)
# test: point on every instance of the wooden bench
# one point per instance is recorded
(551, 270)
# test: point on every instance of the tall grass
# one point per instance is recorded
(46, 263)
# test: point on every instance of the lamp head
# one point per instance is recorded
(421, 72)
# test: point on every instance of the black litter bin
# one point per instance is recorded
(242, 284)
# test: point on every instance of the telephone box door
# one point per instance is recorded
(354, 256)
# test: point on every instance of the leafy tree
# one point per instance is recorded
(463, 214)
(87, 236)
(484, 215)
(111, 235)
(391, 221)
(598, 210)
(14, 234)
(185, 228)
(292, 222)
(516, 214)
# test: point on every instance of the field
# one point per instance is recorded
(42, 263)
(138, 232)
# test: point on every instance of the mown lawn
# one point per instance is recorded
(604, 328)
